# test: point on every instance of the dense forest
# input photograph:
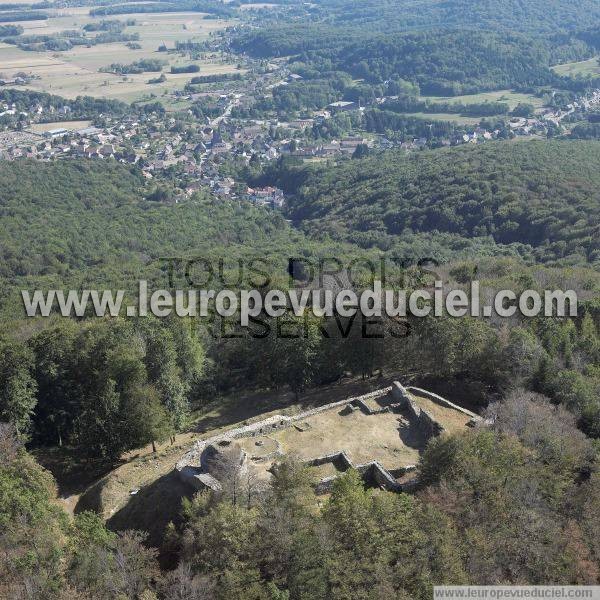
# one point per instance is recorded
(448, 63)
(533, 16)
(539, 197)
(17, 16)
(485, 495)
(89, 226)
(377, 42)
(101, 387)
(212, 7)
(90, 223)
(442, 62)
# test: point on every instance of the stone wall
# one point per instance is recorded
(380, 476)
(265, 426)
(270, 456)
(339, 459)
(325, 485)
(399, 392)
(352, 401)
(442, 401)
(404, 401)
(373, 471)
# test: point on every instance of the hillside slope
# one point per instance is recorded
(516, 15)
(82, 214)
(443, 62)
(540, 194)
(84, 224)
(521, 15)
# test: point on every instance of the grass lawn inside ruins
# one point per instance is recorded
(383, 431)
(362, 437)
(387, 437)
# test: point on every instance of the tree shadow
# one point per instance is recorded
(468, 393)
(91, 499)
(151, 509)
(238, 408)
(72, 473)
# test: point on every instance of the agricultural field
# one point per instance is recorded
(68, 125)
(510, 97)
(76, 72)
(507, 96)
(257, 6)
(19, 2)
(451, 117)
(583, 67)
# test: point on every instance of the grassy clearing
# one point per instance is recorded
(362, 437)
(584, 67)
(452, 420)
(151, 473)
(29, 26)
(383, 437)
(158, 500)
(325, 470)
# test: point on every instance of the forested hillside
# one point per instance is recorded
(447, 63)
(542, 196)
(479, 490)
(441, 62)
(441, 148)
(83, 214)
(516, 15)
(90, 224)
(451, 48)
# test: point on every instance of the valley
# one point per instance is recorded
(322, 147)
